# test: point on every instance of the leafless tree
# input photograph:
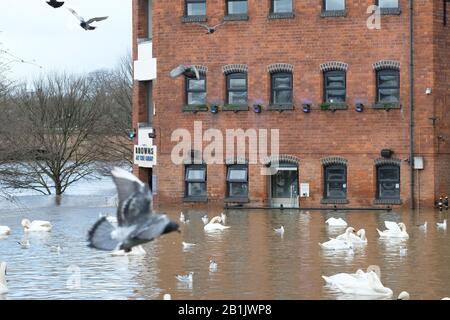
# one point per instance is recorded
(52, 127)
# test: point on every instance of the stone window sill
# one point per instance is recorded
(280, 107)
(187, 19)
(333, 13)
(386, 106)
(236, 200)
(334, 201)
(390, 11)
(235, 108)
(195, 199)
(236, 17)
(281, 15)
(200, 108)
(388, 201)
(333, 106)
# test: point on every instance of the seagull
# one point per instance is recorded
(185, 278)
(25, 244)
(403, 296)
(442, 225)
(205, 219)
(210, 29)
(182, 217)
(212, 266)
(188, 245)
(279, 230)
(86, 25)
(55, 4)
(190, 72)
(137, 223)
(423, 227)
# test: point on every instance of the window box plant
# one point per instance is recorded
(386, 105)
(195, 108)
(235, 107)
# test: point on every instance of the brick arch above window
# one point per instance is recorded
(333, 160)
(281, 158)
(194, 157)
(280, 67)
(235, 68)
(201, 69)
(386, 64)
(387, 161)
(333, 65)
(236, 160)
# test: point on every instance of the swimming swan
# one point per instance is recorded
(442, 225)
(36, 225)
(350, 236)
(394, 230)
(335, 244)
(214, 224)
(333, 222)
(3, 286)
(4, 231)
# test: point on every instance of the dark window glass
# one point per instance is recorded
(196, 7)
(388, 182)
(236, 7)
(281, 6)
(237, 180)
(336, 182)
(284, 183)
(195, 181)
(196, 91)
(334, 86)
(331, 5)
(388, 86)
(282, 88)
(237, 88)
(388, 3)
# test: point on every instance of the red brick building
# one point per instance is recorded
(338, 90)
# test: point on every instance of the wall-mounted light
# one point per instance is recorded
(214, 108)
(131, 134)
(257, 108)
(359, 107)
(306, 107)
(428, 91)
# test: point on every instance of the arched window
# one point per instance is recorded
(334, 86)
(388, 181)
(237, 181)
(281, 88)
(335, 181)
(196, 91)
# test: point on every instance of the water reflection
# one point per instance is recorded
(253, 261)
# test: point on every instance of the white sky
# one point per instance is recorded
(32, 30)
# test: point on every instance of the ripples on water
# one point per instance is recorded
(253, 261)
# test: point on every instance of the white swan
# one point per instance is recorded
(205, 219)
(215, 224)
(187, 245)
(185, 278)
(394, 230)
(346, 235)
(4, 231)
(223, 217)
(335, 244)
(182, 217)
(3, 286)
(361, 283)
(36, 225)
(135, 251)
(280, 230)
(212, 266)
(333, 222)
(442, 225)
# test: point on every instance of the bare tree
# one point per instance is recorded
(51, 146)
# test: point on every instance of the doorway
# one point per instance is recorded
(283, 189)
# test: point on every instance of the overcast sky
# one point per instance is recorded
(32, 30)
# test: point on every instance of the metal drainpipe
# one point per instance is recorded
(411, 99)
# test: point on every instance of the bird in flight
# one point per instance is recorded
(190, 72)
(208, 28)
(137, 223)
(55, 4)
(86, 25)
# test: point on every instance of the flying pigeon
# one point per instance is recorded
(210, 29)
(137, 223)
(55, 4)
(86, 25)
(190, 72)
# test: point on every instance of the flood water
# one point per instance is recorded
(253, 261)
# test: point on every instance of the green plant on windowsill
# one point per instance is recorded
(195, 107)
(325, 106)
(235, 107)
